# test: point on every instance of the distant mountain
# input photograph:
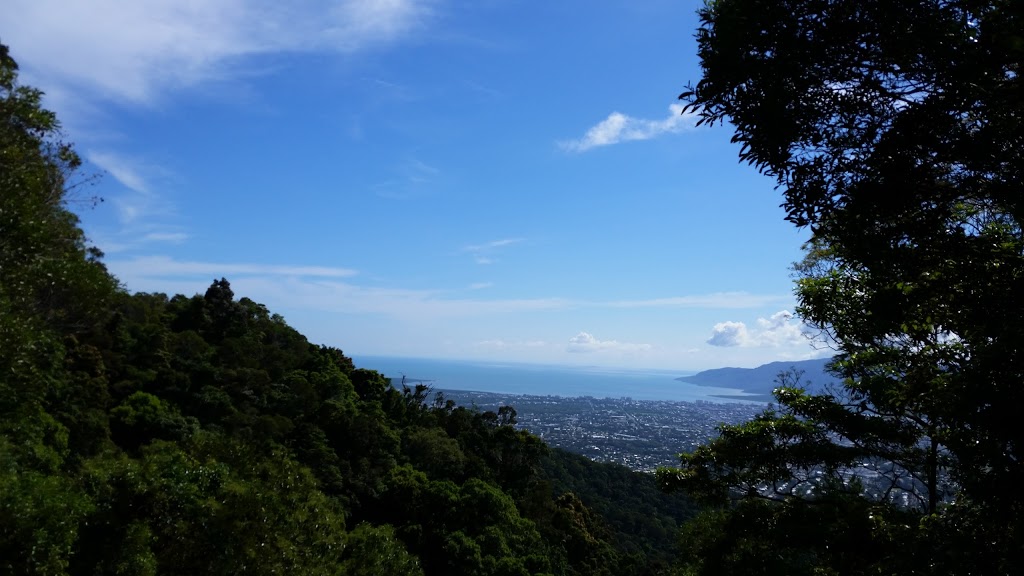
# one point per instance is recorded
(761, 381)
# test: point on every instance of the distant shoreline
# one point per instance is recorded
(748, 398)
(541, 381)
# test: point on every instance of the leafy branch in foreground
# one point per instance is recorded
(895, 131)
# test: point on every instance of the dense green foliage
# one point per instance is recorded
(643, 521)
(895, 130)
(147, 434)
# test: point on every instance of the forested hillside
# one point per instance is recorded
(155, 434)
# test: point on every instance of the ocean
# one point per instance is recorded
(545, 380)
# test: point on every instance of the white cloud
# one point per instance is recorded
(585, 342)
(618, 127)
(729, 334)
(480, 285)
(131, 50)
(777, 331)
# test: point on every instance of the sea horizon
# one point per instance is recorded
(548, 379)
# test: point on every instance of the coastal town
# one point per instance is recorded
(639, 434)
(644, 435)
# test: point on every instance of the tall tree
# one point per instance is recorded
(53, 291)
(895, 130)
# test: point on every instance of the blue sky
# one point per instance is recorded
(494, 180)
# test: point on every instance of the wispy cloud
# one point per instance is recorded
(500, 344)
(145, 215)
(315, 288)
(714, 300)
(162, 266)
(778, 330)
(482, 253)
(138, 201)
(411, 178)
(334, 289)
(585, 342)
(129, 239)
(480, 285)
(389, 93)
(171, 237)
(618, 127)
(406, 304)
(419, 170)
(492, 244)
(486, 91)
(132, 51)
(124, 170)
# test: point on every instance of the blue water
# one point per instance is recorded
(543, 380)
